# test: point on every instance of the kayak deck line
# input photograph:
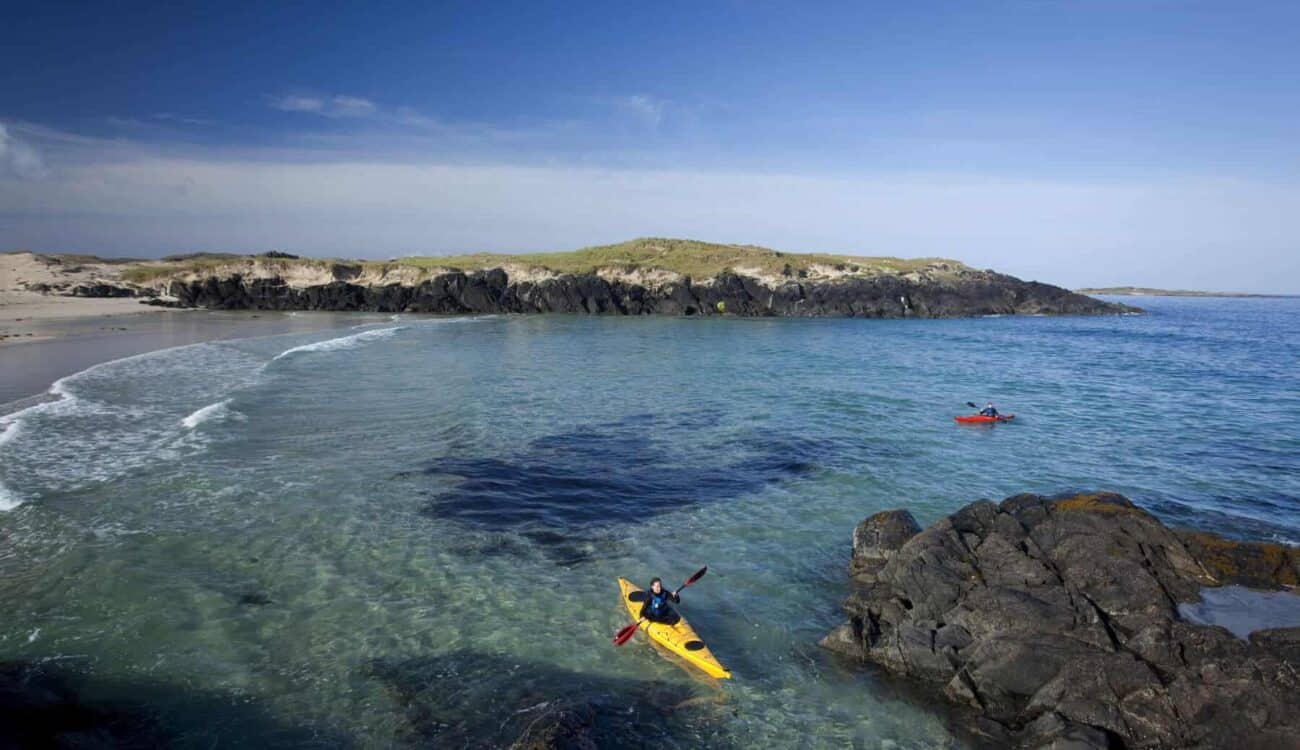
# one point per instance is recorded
(679, 637)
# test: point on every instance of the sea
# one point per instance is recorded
(409, 533)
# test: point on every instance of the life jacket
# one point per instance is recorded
(657, 606)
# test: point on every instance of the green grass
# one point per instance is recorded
(686, 257)
(699, 260)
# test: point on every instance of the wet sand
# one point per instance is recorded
(39, 349)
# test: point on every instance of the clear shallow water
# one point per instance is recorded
(437, 509)
(1243, 611)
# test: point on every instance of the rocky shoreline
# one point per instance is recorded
(739, 281)
(1056, 622)
(494, 291)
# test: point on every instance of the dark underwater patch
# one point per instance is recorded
(538, 705)
(601, 475)
(48, 705)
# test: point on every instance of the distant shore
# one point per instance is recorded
(1141, 291)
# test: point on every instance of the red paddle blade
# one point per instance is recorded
(698, 575)
(625, 634)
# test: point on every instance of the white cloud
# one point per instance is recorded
(180, 119)
(295, 103)
(119, 196)
(1207, 233)
(644, 108)
(19, 158)
(351, 106)
(329, 106)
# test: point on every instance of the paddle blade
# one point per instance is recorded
(973, 406)
(625, 634)
(698, 575)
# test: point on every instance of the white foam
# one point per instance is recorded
(118, 416)
(12, 426)
(208, 413)
(11, 429)
(8, 500)
(342, 342)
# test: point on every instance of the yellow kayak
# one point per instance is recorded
(679, 638)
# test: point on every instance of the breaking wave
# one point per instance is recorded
(342, 342)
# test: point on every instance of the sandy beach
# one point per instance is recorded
(29, 316)
(59, 336)
(49, 334)
(36, 291)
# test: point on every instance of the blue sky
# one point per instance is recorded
(1079, 143)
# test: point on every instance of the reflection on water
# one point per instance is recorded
(1243, 611)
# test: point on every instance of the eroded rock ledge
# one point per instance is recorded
(494, 291)
(1056, 621)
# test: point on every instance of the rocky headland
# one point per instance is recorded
(641, 277)
(1057, 623)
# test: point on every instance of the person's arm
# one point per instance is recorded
(673, 595)
(645, 607)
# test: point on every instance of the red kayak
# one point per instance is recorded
(978, 419)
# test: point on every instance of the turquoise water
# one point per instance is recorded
(410, 531)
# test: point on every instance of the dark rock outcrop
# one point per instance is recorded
(492, 291)
(1056, 621)
(100, 289)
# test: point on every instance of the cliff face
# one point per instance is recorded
(495, 291)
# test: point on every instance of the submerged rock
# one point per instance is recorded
(446, 698)
(40, 707)
(1057, 622)
(254, 599)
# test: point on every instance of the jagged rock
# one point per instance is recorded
(877, 538)
(1056, 621)
(492, 291)
(102, 290)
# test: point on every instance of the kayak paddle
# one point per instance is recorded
(625, 633)
(973, 406)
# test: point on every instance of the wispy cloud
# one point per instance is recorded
(644, 108)
(338, 105)
(180, 119)
(19, 158)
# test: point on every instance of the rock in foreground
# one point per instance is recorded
(1056, 621)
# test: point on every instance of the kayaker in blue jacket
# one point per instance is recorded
(656, 607)
(989, 411)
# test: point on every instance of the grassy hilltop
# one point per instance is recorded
(699, 260)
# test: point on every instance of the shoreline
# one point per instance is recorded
(1133, 292)
(44, 346)
(27, 317)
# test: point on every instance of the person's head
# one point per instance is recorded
(990, 406)
(656, 585)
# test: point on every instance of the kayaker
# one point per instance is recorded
(989, 411)
(656, 607)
